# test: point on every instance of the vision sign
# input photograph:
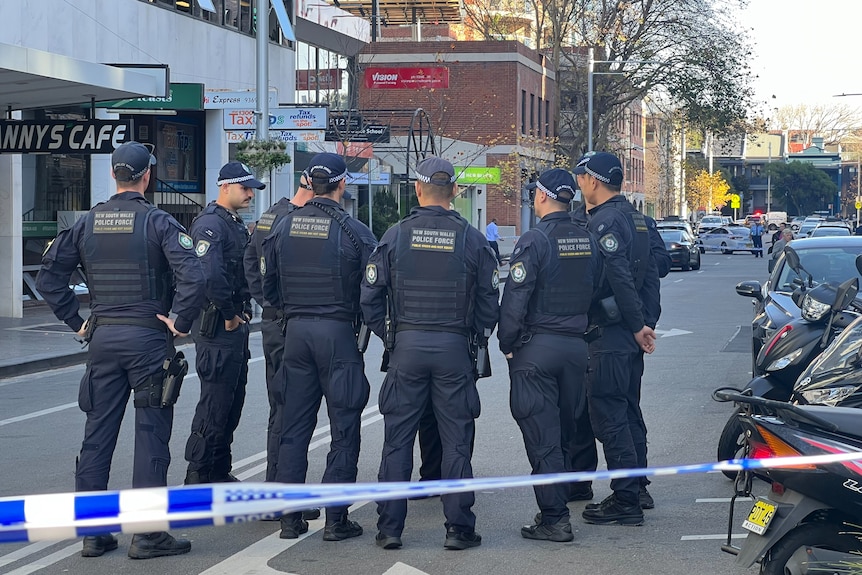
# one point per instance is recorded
(407, 78)
(63, 136)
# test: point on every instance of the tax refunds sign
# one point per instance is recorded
(63, 136)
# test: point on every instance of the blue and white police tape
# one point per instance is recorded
(52, 517)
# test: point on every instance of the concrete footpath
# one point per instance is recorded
(40, 341)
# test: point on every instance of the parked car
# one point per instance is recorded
(683, 249)
(808, 226)
(796, 222)
(668, 224)
(708, 223)
(726, 239)
(830, 229)
(831, 259)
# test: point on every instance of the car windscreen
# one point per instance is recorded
(833, 265)
(671, 235)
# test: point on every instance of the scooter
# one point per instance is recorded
(810, 520)
(826, 311)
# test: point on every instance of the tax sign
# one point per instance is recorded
(279, 119)
(63, 136)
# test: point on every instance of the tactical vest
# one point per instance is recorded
(430, 286)
(121, 265)
(565, 285)
(267, 222)
(640, 253)
(312, 269)
(233, 255)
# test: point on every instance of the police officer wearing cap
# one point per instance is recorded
(554, 271)
(221, 343)
(314, 259)
(272, 317)
(430, 284)
(139, 264)
(618, 331)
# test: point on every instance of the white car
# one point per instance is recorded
(727, 239)
(708, 223)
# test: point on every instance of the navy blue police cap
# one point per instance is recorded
(131, 160)
(238, 173)
(557, 183)
(602, 166)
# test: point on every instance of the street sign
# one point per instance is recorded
(735, 201)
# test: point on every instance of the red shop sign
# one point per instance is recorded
(407, 78)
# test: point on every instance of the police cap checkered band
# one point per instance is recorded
(557, 184)
(238, 173)
(326, 168)
(131, 160)
(427, 168)
(602, 166)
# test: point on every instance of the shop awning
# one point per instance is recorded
(32, 78)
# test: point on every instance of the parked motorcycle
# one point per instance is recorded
(826, 311)
(810, 521)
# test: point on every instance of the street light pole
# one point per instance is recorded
(769, 181)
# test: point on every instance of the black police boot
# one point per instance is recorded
(387, 542)
(227, 478)
(612, 510)
(645, 499)
(459, 540)
(196, 477)
(561, 532)
(311, 514)
(97, 545)
(340, 530)
(158, 544)
(292, 528)
(582, 494)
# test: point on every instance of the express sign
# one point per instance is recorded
(63, 137)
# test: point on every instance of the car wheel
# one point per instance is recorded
(696, 264)
(702, 250)
(724, 249)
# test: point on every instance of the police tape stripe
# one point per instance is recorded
(51, 517)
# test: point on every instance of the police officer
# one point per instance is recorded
(543, 317)
(133, 255)
(433, 279)
(618, 330)
(314, 260)
(272, 318)
(221, 344)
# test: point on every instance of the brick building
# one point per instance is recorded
(490, 105)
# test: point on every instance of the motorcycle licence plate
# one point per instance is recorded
(760, 516)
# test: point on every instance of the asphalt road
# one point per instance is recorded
(704, 344)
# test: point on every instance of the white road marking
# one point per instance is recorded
(24, 552)
(48, 560)
(713, 500)
(403, 569)
(712, 537)
(671, 332)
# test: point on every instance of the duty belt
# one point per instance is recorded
(271, 313)
(152, 323)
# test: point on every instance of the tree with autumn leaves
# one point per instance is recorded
(705, 191)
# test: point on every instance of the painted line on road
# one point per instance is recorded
(712, 537)
(48, 560)
(24, 552)
(713, 500)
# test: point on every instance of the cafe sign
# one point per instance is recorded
(63, 136)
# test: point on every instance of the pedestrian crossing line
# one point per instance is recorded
(24, 552)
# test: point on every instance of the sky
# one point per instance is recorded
(806, 51)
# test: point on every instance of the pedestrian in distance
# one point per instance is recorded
(617, 331)
(313, 264)
(554, 273)
(140, 265)
(757, 238)
(430, 289)
(221, 342)
(492, 234)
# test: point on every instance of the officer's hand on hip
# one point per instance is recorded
(646, 339)
(509, 355)
(83, 331)
(232, 324)
(170, 323)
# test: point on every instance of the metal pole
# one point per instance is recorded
(858, 199)
(590, 100)
(769, 183)
(262, 133)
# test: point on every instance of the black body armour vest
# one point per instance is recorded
(640, 246)
(430, 286)
(267, 222)
(233, 257)
(121, 266)
(565, 285)
(311, 267)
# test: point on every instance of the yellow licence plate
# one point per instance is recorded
(760, 516)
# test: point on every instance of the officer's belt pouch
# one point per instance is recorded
(609, 310)
(149, 394)
(209, 320)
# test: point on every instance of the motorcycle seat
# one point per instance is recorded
(847, 419)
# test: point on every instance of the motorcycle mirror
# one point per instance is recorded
(846, 293)
(859, 264)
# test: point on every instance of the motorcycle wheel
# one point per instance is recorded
(834, 536)
(730, 442)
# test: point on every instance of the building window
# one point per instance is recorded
(523, 111)
(532, 114)
(240, 15)
(539, 121)
(548, 119)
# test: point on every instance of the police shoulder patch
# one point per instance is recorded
(495, 280)
(201, 248)
(371, 274)
(518, 272)
(262, 266)
(186, 241)
(609, 243)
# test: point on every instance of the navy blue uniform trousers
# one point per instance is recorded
(614, 395)
(222, 366)
(122, 357)
(321, 360)
(435, 366)
(547, 399)
(273, 353)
